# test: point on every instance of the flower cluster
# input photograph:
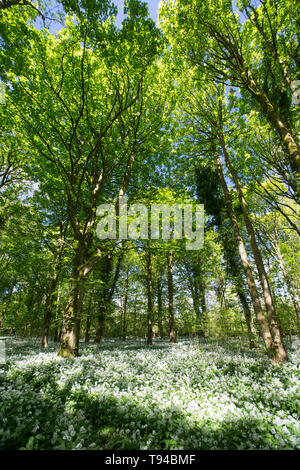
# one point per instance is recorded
(124, 395)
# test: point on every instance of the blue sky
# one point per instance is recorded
(152, 5)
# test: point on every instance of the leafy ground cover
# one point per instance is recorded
(124, 395)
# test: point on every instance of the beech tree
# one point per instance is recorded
(90, 100)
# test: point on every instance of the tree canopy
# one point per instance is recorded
(199, 108)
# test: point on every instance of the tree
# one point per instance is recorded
(205, 104)
(251, 56)
(98, 136)
(210, 192)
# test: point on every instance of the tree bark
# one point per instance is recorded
(264, 327)
(172, 329)
(271, 313)
(159, 308)
(235, 271)
(201, 289)
(101, 324)
(107, 292)
(5, 4)
(276, 122)
(69, 342)
(149, 295)
(51, 296)
(57, 328)
(88, 320)
(125, 300)
(197, 288)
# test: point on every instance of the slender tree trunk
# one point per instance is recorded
(125, 300)
(87, 328)
(172, 329)
(57, 329)
(202, 297)
(243, 300)
(107, 293)
(2, 315)
(220, 291)
(264, 327)
(102, 306)
(89, 316)
(247, 315)
(106, 267)
(198, 296)
(39, 302)
(235, 270)
(7, 302)
(101, 323)
(201, 289)
(135, 310)
(149, 295)
(271, 313)
(51, 296)
(159, 308)
(195, 298)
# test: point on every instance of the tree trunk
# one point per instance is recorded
(69, 342)
(106, 266)
(195, 298)
(51, 296)
(247, 315)
(235, 270)
(276, 122)
(87, 328)
(172, 329)
(271, 313)
(149, 295)
(198, 296)
(88, 321)
(264, 327)
(101, 323)
(107, 292)
(125, 300)
(159, 309)
(2, 314)
(201, 290)
(57, 329)
(101, 317)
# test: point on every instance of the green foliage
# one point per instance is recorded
(96, 109)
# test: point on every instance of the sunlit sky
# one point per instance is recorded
(152, 6)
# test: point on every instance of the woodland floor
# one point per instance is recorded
(125, 395)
